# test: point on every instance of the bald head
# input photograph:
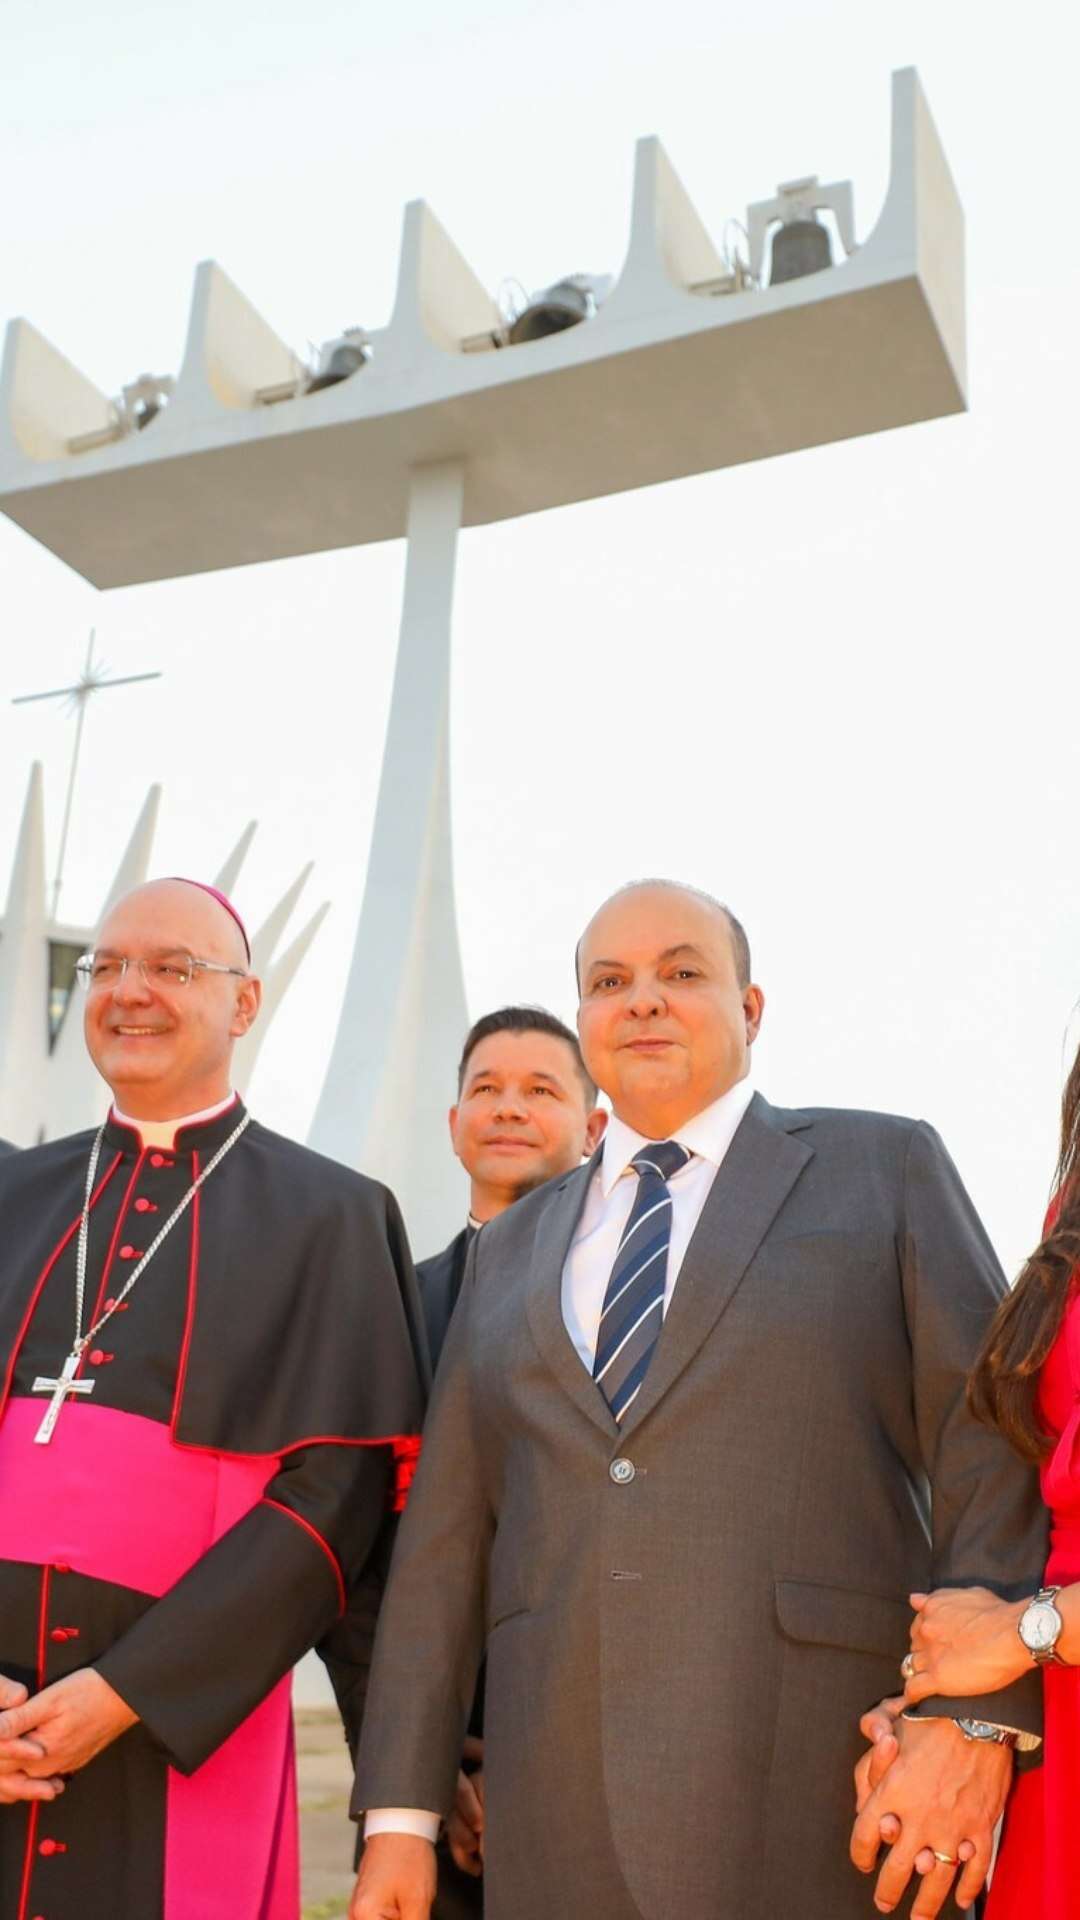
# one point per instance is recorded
(179, 914)
(160, 1032)
(667, 1014)
(740, 945)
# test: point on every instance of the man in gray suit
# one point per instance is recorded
(699, 1429)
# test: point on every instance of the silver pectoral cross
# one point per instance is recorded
(59, 1389)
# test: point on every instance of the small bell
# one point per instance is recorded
(799, 247)
(339, 359)
(565, 304)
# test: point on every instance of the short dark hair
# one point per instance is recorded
(524, 1020)
(740, 943)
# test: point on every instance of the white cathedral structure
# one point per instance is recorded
(458, 414)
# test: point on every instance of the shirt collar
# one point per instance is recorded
(165, 1133)
(708, 1134)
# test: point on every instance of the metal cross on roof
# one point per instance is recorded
(93, 679)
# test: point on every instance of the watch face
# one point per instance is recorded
(1041, 1626)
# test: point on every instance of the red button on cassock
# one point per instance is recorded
(100, 1359)
(60, 1634)
(61, 1566)
(48, 1847)
(130, 1253)
(143, 1205)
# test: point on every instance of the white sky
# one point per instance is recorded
(840, 688)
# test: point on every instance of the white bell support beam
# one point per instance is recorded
(392, 1070)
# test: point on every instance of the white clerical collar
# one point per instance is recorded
(162, 1133)
(709, 1134)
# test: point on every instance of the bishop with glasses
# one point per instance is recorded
(209, 1404)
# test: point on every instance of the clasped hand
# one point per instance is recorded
(964, 1643)
(924, 1791)
(17, 1755)
(55, 1732)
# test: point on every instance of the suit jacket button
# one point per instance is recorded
(622, 1472)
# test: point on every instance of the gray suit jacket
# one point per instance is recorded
(677, 1660)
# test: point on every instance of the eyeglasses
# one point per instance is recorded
(164, 971)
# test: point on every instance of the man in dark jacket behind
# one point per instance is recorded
(526, 1113)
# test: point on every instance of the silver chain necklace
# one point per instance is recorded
(65, 1382)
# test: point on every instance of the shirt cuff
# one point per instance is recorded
(415, 1820)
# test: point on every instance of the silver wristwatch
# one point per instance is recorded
(986, 1730)
(1040, 1627)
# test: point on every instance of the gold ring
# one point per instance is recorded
(947, 1859)
(907, 1666)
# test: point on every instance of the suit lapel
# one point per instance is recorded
(759, 1170)
(543, 1303)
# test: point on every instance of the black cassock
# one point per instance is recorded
(195, 1524)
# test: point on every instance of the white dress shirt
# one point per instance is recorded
(588, 1269)
(611, 1195)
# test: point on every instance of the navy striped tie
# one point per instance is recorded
(634, 1301)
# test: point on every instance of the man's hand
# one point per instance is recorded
(945, 1791)
(69, 1723)
(465, 1825)
(15, 1754)
(964, 1642)
(879, 1726)
(397, 1879)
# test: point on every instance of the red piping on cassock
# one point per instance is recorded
(406, 1460)
(36, 1290)
(291, 1514)
(113, 1244)
(189, 1320)
(35, 1805)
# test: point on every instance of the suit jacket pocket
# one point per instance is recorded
(840, 1617)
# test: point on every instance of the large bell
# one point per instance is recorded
(799, 247)
(560, 306)
(337, 361)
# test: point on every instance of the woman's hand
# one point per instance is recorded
(963, 1642)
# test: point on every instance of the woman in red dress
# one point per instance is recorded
(1026, 1382)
